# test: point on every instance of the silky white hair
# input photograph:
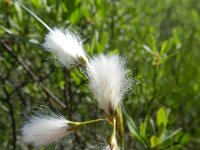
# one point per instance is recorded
(107, 147)
(43, 128)
(108, 80)
(67, 46)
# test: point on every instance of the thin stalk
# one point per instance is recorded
(113, 140)
(114, 127)
(120, 126)
(36, 17)
(86, 122)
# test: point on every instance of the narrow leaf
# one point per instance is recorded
(162, 117)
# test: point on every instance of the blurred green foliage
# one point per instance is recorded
(155, 135)
(160, 40)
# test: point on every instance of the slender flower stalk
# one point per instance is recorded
(36, 17)
(120, 125)
(113, 140)
(67, 46)
(108, 81)
(78, 124)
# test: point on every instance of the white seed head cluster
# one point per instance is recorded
(42, 128)
(67, 46)
(108, 81)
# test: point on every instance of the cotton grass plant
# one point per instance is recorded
(108, 81)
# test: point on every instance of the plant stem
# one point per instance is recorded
(85, 122)
(36, 17)
(113, 141)
(120, 126)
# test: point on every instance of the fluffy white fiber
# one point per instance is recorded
(67, 46)
(43, 128)
(108, 148)
(108, 81)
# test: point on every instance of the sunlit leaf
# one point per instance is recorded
(163, 47)
(162, 117)
(143, 129)
(155, 141)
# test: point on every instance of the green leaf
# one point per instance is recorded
(36, 3)
(18, 9)
(163, 47)
(185, 139)
(168, 57)
(171, 135)
(143, 129)
(115, 51)
(104, 38)
(75, 16)
(152, 42)
(162, 118)
(75, 77)
(154, 141)
(133, 129)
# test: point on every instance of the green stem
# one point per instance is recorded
(120, 126)
(113, 140)
(114, 128)
(36, 17)
(85, 122)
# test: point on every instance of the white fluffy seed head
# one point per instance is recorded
(107, 147)
(44, 128)
(108, 81)
(67, 46)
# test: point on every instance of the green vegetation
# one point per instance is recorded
(159, 39)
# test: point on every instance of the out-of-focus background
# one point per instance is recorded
(159, 39)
